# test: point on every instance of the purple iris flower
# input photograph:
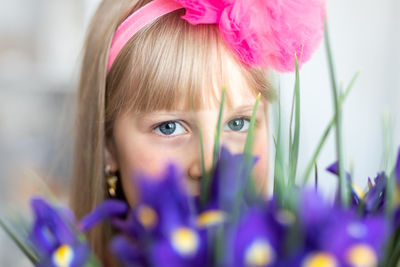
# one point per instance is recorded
(339, 234)
(314, 214)
(163, 204)
(355, 198)
(54, 237)
(258, 237)
(185, 246)
(353, 239)
(374, 200)
(230, 175)
(162, 223)
(128, 252)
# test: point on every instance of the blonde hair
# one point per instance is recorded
(168, 63)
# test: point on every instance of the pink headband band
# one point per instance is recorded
(267, 33)
(136, 22)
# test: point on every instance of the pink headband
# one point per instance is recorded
(266, 33)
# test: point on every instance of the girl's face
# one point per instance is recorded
(146, 142)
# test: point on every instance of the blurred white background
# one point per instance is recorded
(40, 48)
(365, 37)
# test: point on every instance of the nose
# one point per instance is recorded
(195, 167)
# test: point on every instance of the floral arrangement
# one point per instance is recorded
(168, 228)
(229, 224)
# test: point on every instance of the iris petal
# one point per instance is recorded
(107, 209)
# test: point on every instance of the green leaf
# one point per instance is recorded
(392, 253)
(291, 117)
(389, 163)
(279, 176)
(248, 147)
(207, 179)
(219, 245)
(249, 185)
(21, 244)
(218, 131)
(391, 194)
(343, 187)
(316, 176)
(294, 144)
(203, 168)
(388, 144)
(205, 175)
(92, 261)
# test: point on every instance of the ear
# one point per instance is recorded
(110, 155)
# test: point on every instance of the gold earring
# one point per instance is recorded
(111, 180)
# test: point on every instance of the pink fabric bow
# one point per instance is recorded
(265, 33)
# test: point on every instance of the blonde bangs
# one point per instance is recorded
(171, 64)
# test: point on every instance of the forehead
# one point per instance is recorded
(208, 94)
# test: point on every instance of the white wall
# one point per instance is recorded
(365, 36)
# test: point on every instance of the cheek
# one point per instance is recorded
(146, 157)
(139, 159)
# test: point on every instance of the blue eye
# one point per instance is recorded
(170, 128)
(237, 125)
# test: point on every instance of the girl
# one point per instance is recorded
(152, 78)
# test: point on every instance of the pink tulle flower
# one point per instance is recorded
(203, 12)
(265, 33)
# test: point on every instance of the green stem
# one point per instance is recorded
(207, 179)
(218, 132)
(294, 144)
(393, 258)
(343, 188)
(279, 176)
(246, 164)
(20, 244)
(203, 167)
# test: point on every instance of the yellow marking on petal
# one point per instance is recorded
(185, 241)
(147, 216)
(210, 217)
(320, 259)
(362, 255)
(63, 256)
(358, 191)
(259, 253)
